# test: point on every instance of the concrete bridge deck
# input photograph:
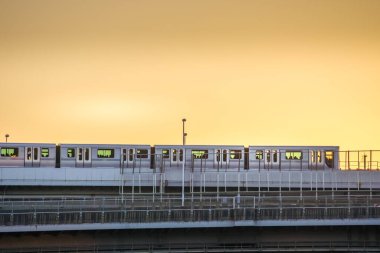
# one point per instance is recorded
(260, 221)
(157, 212)
(244, 179)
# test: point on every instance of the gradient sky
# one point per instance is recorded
(268, 72)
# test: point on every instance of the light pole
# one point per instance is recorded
(6, 137)
(183, 132)
(183, 160)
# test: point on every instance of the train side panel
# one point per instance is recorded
(27, 155)
(293, 157)
(125, 157)
(200, 157)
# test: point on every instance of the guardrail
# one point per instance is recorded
(170, 202)
(145, 209)
(187, 215)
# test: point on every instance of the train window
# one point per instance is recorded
(87, 154)
(319, 156)
(44, 152)
(199, 154)
(29, 154)
(293, 155)
(274, 152)
(224, 155)
(181, 155)
(130, 154)
(329, 159)
(124, 154)
(259, 155)
(174, 155)
(217, 155)
(312, 154)
(268, 155)
(235, 154)
(142, 153)
(106, 153)
(9, 152)
(165, 153)
(80, 154)
(70, 153)
(35, 154)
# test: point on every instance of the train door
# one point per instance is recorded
(164, 159)
(315, 159)
(32, 157)
(83, 159)
(221, 159)
(177, 157)
(312, 160)
(218, 159)
(225, 159)
(123, 158)
(272, 159)
(131, 158)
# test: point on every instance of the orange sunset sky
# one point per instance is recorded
(268, 72)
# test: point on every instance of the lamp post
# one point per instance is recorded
(183, 160)
(6, 137)
(183, 132)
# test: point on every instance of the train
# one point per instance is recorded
(163, 158)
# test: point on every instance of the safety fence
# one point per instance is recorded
(171, 202)
(146, 208)
(187, 215)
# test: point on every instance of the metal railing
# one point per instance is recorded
(196, 209)
(173, 201)
(187, 215)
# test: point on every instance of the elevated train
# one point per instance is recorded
(163, 158)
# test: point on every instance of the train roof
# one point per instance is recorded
(19, 144)
(103, 145)
(292, 147)
(199, 146)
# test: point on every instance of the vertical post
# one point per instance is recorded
(122, 175)
(301, 184)
(183, 161)
(217, 186)
(183, 178)
(358, 160)
(183, 132)
(133, 187)
(6, 137)
(122, 189)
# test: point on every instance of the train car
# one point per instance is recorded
(293, 157)
(128, 157)
(27, 155)
(200, 157)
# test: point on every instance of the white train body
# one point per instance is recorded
(165, 165)
(145, 158)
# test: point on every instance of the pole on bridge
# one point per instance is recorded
(183, 160)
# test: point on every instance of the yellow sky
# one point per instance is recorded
(242, 72)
